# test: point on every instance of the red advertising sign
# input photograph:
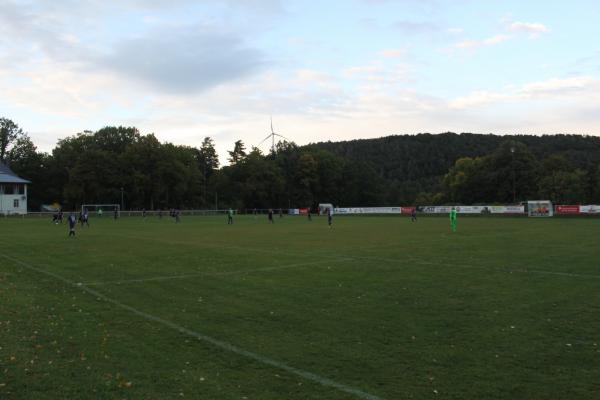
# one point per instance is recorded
(303, 211)
(406, 210)
(567, 209)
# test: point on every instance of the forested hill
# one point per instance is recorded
(426, 156)
(470, 168)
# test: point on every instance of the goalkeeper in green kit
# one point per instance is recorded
(453, 219)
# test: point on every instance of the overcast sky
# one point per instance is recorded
(325, 70)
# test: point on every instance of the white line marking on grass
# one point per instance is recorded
(508, 270)
(200, 274)
(227, 246)
(207, 339)
(390, 260)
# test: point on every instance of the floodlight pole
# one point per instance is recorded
(512, 152)
(204, 192)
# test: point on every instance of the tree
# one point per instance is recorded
(561, 182)
(209, 160)
(305, 180)
(596, 186)
(238, 152)
(514, 171)
(468, 181)
(28, 163)
(9, 134)
(256, 181)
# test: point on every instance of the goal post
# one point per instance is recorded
(324, 207)
(540, 208)
(99, 209)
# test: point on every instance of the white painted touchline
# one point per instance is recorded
(207, 339)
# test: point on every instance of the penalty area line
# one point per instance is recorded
(207, 339)
(518, 270)
(209, 274)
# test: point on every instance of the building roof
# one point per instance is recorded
(8, 176)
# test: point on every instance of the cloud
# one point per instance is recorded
(557, 89)
(477, 98)
(534, 29)
(184, 60)
(413, 28)
(181, 59)
(309, 75)
(574, 86)
(392, 53)
(491, 41)
(378, 73)
(455, 31)
(512, 30)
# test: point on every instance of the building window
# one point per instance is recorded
(20, 189)
(16, 203)
(9, 189)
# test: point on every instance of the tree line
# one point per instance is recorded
(116, 164)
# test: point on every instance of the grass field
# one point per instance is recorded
(374, 308)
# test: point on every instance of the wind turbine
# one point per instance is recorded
(272, 136)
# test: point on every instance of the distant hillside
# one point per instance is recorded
(415, 163)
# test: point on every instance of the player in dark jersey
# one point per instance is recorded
(413, 215)
(329, 216)
(270, 214)
(72, 224)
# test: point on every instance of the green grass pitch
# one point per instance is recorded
(373, 308)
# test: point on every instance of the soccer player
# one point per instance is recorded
(160, 213)
(60, 215)
(329, 216)
(453, 219)
(143, 213)
(116, 215)
(230, 217)
(270, 214)
(72, 224)
(280, 213)
(413, 215)
(309, 214)
(85, 218)
(99, 213)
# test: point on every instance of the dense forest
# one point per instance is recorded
(102, 166)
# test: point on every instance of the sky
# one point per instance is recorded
(322, 70)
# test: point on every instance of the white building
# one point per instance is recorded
(13, 192)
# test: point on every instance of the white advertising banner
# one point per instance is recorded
(474, 209)
(368, 210)
(589, 209)
(507, 209)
